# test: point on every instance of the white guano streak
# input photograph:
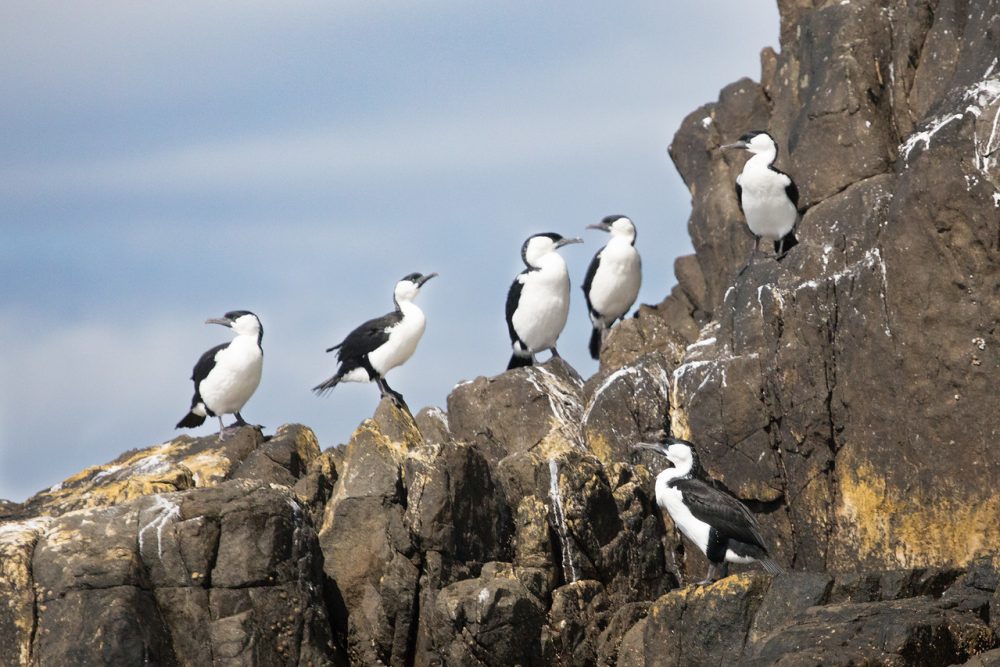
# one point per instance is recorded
(164, 511)
(569, 569)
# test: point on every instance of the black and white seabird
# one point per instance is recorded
(613, 278)
(719, 524)
(381, 344)
(227, 375)
(538, 299)
(767, 196)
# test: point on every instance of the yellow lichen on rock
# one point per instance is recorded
(911, 529)
(600, 447)
(17, 544)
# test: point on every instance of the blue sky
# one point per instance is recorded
(162, 163)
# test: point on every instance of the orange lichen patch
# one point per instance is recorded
(913, 529)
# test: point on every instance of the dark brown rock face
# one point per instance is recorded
(855, 376)
(845, 393)
(228, 570)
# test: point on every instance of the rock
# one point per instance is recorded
(536, 409)
(433, 425)
(230, 571)
(987, 659)
(849, 353)
(844, 394)
(666, 328)
(180, 464)
(631, 615)
(490, 620)
(282, 458)
(911, 631)
(626, 406)
(697, 625)
(369, 553)
(578, 615)
(453, 505)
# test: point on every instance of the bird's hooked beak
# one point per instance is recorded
(420, 283)
(661, 440)
(735, 144)
(602, 226)
(657, 447)
(561, 242)
(220, 320)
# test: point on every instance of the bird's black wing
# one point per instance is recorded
(588, 280)
(513, 298)
(206, 364)
(791, 190)
(720, 510)
(739, 196)
(368, 337)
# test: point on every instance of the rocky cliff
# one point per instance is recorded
(845, 393)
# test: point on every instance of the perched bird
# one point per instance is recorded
(719, 524)
(381, 344)
(227, 375)
(768, 197)
(538, 299)
(613, 278)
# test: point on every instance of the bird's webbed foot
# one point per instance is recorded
(393, 395)
(242, 422)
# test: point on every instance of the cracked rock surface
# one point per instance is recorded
(846, 394)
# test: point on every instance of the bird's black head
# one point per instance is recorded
(539, 245)
(409, 286)
(617, 225)
(418, 279)
(679, 452)
(755, 141)
(749, 136)
(242, 322)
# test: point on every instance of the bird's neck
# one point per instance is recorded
(550, 263)
(622, 242)
(762, 160)
(665, 478)
(246, 340)
(407, 307)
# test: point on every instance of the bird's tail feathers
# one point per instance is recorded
(335, 347)
(191, 420)
(595, 343)
(326, 386)
(770, 566)
(517, 361)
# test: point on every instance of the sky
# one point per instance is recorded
(163, 163)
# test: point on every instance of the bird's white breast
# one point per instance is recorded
(235, 376)
(543, 307)
(672, 500)
(769, 212)
(403, 339)
(616, 282)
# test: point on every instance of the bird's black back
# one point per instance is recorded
(720, 510)
(201, 370)
(366, 338)
(513, 298)
(205, 364)
(588, 279)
